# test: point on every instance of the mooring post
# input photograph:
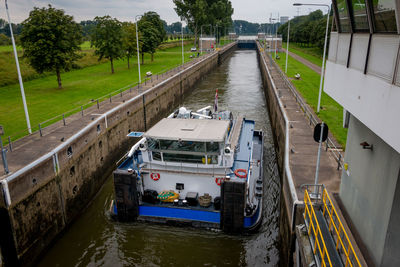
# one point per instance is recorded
(120, 92)
(64, 119)
(82, 110)
(110, 98)
(9, 143)
(98, 106)
(40, 130)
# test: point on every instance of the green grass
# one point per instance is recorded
(312, 54)
(45, 100)
(308, 86)
(8, 48)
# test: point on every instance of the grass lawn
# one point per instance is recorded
(308, 86)
(45, 100)
(312, 54)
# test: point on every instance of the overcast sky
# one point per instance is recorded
(125, 10)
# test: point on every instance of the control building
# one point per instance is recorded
(363, 76)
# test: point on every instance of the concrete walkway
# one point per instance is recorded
(304, 149)
(31, 147)
(309, 64)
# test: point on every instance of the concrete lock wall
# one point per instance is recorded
(278, 123)
(368, 192)
(49, 195)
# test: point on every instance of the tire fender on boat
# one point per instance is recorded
(155, 176)
(241, 173)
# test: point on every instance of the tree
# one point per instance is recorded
(129, 40)
(194, 12)
(107, 39)
(149, 38)
(50, 40)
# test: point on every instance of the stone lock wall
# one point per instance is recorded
(50, 194)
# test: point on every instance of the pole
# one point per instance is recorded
(323, 63)
(137, 48)
(201, 41)
(21, 85)
(287, 46)
(4, 157)
(183, 58)
(319, 156)
(276, 38)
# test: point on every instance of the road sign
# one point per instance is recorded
(317, 132)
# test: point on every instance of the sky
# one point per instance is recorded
(125, 10)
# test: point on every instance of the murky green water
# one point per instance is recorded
(95, 240)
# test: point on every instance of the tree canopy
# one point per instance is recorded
(152, 31)
(50, 40)
(129, 40)
(107, 37)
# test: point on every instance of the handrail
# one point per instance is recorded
(314, 225)
(350, 256)
(313, 120)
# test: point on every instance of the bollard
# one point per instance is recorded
(64, 119)
(110, 98)
(82, 110)
(9, 143)
(98, 106)
(40, 130)
(120, 92)
(327, 146)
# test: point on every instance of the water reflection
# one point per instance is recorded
(95, 240)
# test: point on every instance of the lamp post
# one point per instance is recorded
(137, 45)
(21, 85)
(183, 57)
(323, 57)
(287, 45)
(276, 36)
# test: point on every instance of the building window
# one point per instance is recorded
(359, 12)
(344, 21)
(384, 16)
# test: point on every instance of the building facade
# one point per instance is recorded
(363, 76)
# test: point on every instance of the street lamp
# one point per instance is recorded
(323, 57)
(21, 85)
(287, 45)
(137, 44)
(183, 58)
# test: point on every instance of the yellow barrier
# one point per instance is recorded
(344, 245)
(313, 225)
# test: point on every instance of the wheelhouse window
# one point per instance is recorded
(343, 12)
(156, 156)
(359, 12)
(384, 15)
(188, 146)
(184, 158)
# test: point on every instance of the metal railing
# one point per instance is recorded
(314, 231)
(340, 237)
(40, 127)
(330, 145)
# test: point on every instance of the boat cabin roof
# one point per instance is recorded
(189, 130)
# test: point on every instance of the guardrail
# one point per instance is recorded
(40, 127)
(310, 115)
(314, 231)
(342, 242)
(319, 196)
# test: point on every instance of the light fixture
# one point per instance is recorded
(365, 145)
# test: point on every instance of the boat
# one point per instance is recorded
(199, 168)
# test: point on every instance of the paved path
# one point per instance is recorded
(309, 64)
(303, 156)
(33, 146)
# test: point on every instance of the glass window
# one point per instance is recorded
(212, 147)
(360, 15)
(384, 15)
(189, 146)
(184, 158)
(153, 144)
(343, 16)
(156, 156)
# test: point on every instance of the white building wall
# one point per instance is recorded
(367, 188)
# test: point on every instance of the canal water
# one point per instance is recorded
(95, 240)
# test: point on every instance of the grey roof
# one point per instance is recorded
(189, 130)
